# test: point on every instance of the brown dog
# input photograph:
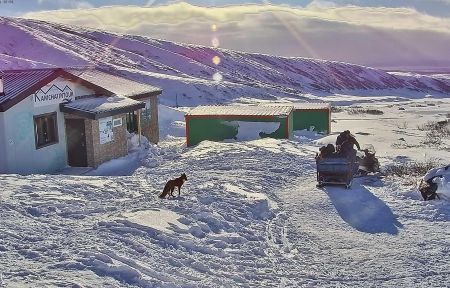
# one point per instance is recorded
(171, 184)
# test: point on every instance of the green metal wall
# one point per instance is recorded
(320, 119)
(212, 128)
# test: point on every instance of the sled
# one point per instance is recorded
(335, 171)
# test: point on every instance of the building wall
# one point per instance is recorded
(212, 128)
(291, 125)
(3, 144)
(150, 127)
(99, 153)
(21, 154)
(304, 119)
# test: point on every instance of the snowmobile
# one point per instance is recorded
(368, 163)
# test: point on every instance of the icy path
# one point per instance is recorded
(370, 236)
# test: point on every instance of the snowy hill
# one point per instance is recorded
(187, 74)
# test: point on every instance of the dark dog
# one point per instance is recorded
(171, 184)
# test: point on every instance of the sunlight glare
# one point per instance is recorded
(217, 77)
(216, 60)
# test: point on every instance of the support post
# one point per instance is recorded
(139, 126)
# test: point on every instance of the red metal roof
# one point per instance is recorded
(19, 84)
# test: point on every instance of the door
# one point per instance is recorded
(76, 142)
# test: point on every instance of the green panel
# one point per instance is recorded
(291, 124)
(303, 119)
(210, 128)
(200, 129)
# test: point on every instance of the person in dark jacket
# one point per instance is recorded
(326, 151)
(345, 142)
(342, 137)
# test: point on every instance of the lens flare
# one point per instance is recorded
(213, 27)
(215, 42)
(217, 77)
(216, 60)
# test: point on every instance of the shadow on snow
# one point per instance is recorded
(362, 210)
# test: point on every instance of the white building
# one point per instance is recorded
(54, 118)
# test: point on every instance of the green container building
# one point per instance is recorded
(219, 123)
(312, 116)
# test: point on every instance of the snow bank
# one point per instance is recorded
(251, 195)
(171, 122)
(252, 130)
(330, 139)
(307, 134)
(442, 179)
(126, 165)
(133, 142)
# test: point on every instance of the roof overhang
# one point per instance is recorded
(146, 95)
(100, 107)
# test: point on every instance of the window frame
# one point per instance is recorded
(54, 115)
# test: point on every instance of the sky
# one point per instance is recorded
(18, 7)
(414, 34)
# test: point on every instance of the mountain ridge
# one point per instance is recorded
(186, 72)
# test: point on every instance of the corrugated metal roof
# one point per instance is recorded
(248, 110)
(16, 82)
(98, 107)
(302, 105)
(312, 106)
(117, 85)
(19, 84)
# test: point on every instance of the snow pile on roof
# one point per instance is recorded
(120, 86)
(98, 105)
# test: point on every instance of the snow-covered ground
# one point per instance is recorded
(249, 215)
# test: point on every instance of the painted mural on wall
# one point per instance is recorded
(54, 93)
(105, 127)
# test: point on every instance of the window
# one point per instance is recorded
(132, 125)
(145, 114)
(45, 130)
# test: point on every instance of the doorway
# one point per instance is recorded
(76, 143)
